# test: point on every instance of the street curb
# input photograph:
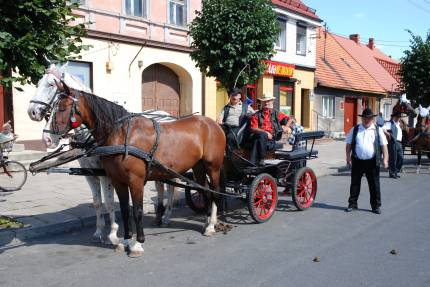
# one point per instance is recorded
(17, 236)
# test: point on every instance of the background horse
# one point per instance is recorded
(195, 142)
(421, 136)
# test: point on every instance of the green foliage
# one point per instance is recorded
(7, 222)
(32, 29)
(230, 34)
(415, 70)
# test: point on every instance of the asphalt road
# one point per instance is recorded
(353, 248)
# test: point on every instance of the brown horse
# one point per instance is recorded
(195, 142)
(421, 139)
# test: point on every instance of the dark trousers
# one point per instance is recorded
(395, 151)
(260, 145)
(371, 170)
(231, 138)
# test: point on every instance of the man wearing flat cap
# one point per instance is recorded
(233, 116)
(364, 143)
(393, 131)
(267, 126)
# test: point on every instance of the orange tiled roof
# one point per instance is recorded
(298, 7)
(383, 71)
(336, 68)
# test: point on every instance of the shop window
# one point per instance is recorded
(286, 100)
(301, 40)
(135, 8)
(82, 71)
(251, 95)
(281, 42)
(177, 12)
(328, 106)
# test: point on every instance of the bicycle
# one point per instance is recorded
(13, 174)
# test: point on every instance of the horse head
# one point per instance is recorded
(48, 88)
(404, 106)
(64, 116)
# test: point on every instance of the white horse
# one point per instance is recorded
(41, 104)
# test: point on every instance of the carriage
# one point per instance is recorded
(258, 185)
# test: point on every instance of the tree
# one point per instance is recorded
(30, 32)
(415, 70)
(233, 35)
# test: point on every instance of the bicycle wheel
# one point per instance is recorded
(12, 176)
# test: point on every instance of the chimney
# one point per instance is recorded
(371, 43)
(355, 38)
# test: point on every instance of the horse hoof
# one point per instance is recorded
(97, 239)
(135, 254)
(156, 222)
(165, 223)
(120, 248)
(113, 241)
(209, 232)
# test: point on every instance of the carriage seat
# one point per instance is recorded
(295, 154)
(300, 150)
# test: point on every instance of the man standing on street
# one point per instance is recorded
(394, 133)
(363, 154)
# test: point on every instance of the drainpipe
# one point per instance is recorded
(129, 66)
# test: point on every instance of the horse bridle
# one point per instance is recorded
(72, 122)
(49, 106)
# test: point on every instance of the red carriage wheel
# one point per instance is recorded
(262, 197)
(305, 188)
(196, 200)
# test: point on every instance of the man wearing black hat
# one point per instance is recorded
(393, 131)
(363, 153)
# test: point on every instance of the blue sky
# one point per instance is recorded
(384, 20)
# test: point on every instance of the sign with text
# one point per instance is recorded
(279, 69)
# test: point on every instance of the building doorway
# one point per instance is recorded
(350, 114)
(305, 111)
(160, 89)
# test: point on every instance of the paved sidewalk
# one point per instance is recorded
(56, 203)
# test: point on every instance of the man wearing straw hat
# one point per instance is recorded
(267, 126)
(363, 153)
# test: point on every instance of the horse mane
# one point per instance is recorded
(106, 114)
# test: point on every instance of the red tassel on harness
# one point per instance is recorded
(74, 124)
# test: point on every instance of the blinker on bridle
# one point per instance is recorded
(72, 122)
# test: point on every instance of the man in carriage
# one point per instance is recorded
(234, 117)
(267, 126)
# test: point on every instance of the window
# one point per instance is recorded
(328, 106)
(281, 41)
(387, 111)
(177, 12)
(82, 71)
(135, 8)
(301, 40)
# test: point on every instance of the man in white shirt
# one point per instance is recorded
(393, 132)
(363, 152)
